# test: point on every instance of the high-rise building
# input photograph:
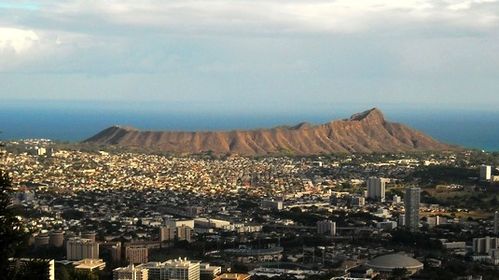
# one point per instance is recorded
(42, 240)
(136, 254)
(412, 200)
(435, 221)
(485, 172)
(166, 233)
(357, 201)
(326, 227)
(56, 239)
(183, 269)
(184, 233)
(376, 189)
(130, 273)
(496, 223)
(88, 235)
(484, 245)
(401, 221)
(179, 223)
(79, 248)
(111, 251)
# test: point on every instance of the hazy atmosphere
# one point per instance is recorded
(225, 56)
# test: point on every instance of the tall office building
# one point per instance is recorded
(496, 223)
(326, 227)
(485, 172)
(130, 273)
(412, 200)
(376, 188)
(79, 248)
(183, 269)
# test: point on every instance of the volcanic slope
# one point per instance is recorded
(364, 132)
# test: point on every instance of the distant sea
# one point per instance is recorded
(472, 129)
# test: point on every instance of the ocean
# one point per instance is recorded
(472, 129)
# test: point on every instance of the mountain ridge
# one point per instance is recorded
(367, 132)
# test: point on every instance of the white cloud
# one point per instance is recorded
(17, 40)
(259, 16)
(114, 35)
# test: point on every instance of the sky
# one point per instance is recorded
(251, 56)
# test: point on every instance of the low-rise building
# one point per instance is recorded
(89, 264)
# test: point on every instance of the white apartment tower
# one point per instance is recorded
(376, 188)
(412, 200)
(485, 172)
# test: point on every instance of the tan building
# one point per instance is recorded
(183, 269)
(233, 276)
(130, 273)
(89, 235)
(78, 249)
(89, 264)
(184, 233)
(179, 223)
(166, 233)
(136, 255)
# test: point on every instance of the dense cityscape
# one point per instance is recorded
(99, 213)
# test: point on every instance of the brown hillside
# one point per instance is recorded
(363, 132)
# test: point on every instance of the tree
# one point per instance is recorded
(13, 236)
(28, 270)
(399, 273)
(62, 273)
